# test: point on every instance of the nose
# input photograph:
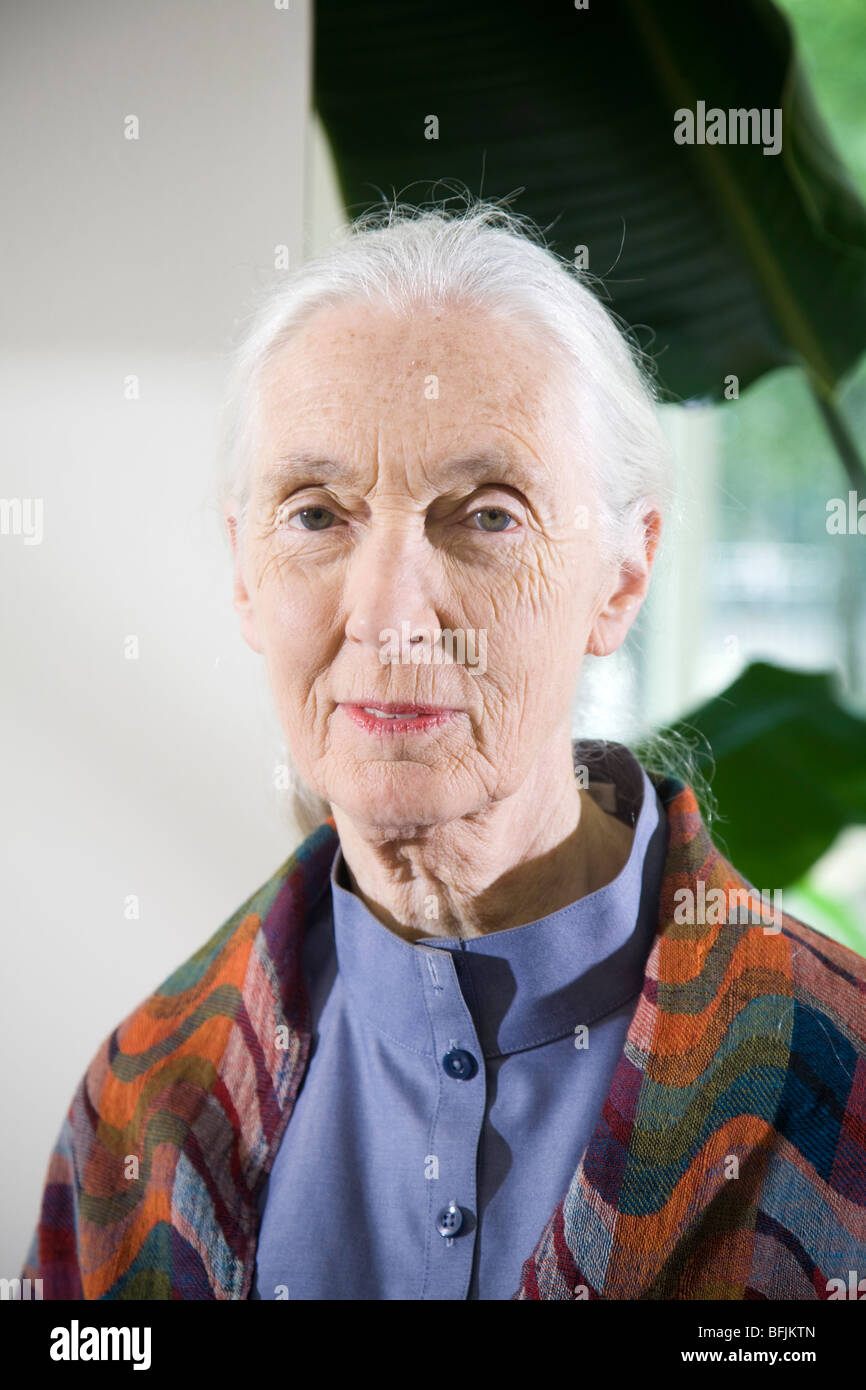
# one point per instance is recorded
(388, 583)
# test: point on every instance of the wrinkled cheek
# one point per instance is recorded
(301, 639)
(536, 636)
(287, 655)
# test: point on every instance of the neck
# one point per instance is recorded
(518, 859)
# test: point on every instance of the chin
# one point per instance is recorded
(400, 799)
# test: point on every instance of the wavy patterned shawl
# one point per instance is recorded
(729, 1161)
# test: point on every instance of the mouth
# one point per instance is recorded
(388, 718)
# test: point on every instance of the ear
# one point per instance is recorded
(621, 605)
(241, 601)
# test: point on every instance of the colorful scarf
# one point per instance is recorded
(729, 1161)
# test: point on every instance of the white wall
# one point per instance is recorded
(153, 776)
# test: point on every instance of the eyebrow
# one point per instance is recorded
(480, 468)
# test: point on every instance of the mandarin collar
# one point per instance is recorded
(524, 985)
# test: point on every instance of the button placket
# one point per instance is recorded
(457, 1131)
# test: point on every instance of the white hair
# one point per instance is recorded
(482, 256)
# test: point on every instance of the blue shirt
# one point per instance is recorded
(453, 1084)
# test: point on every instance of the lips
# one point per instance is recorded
(394, 714)
(391, 711)
(386, 717)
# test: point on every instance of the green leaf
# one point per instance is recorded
(789, 770)
(727, 260)
(810, 905)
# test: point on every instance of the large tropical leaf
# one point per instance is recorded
(787, 766)
(726, 260)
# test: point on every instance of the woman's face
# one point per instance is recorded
(415, 479)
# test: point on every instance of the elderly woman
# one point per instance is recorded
(481, 1035)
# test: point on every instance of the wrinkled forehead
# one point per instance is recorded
(438, 379)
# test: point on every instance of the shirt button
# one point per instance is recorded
(460, 1064)
(449, 1220)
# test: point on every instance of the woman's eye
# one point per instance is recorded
(489, 519)
(498, 517)
(312, 519)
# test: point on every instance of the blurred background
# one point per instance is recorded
(162, 166)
